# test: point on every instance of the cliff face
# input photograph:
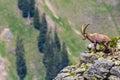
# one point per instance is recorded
(93, 67)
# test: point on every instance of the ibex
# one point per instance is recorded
(95, 38)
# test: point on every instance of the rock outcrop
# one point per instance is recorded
(6, 34)
(92, 67)
(3, 69)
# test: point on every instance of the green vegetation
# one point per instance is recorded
(36, 19)
(31, 7)
(72, 14)
(10, 17)
(57, 43)
(42, 34)
(21, 4)
(55, 56)
(64, 55)
(20, 59)
(113, 42)
(67, 35)
(27, 7)
(2, 49)
(72, 74)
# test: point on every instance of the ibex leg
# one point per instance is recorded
(95, 47)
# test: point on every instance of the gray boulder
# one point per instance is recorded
(92, 67)
(79, 70)
(99, 70)
(86, 57)
(115, 71)
(112, 77)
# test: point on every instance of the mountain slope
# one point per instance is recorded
(70, 15)
(10, 17)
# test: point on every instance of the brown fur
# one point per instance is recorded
(96, 38)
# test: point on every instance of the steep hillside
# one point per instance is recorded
(71, 14)
(68, 15)
(10, 17)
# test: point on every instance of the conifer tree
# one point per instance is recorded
(57, 55)
(31, 7)
(25, 9)
(20, 60)
(57, 41)
(20, 4)
(41, 42)
(60, 55)
(44, 24)
(43, 33)
(48, 58)
(55, 58)
(64, 57)
(36, 19)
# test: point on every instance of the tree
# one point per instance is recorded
(20, 4)
(57, 41)
(25, 9)
(20, 60)
(43, 34)
(57, 55)
(31, 7)
(60, 55)
(48, 58)
(55, 58)
(41, 42)
(36, 19)
(44, 25)
(64, 57)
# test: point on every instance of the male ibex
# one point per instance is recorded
(95, 38)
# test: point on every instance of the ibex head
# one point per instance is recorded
(83, 31)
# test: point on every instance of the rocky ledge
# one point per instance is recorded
(92, 67)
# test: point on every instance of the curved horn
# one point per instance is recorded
(84, 28)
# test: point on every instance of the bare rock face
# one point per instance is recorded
(112, 77)
(99, 1)
(100, 69)
(6, 34)
(3, 70)
(92, 67)
(86, 57)
(9, 36)
(115, 71)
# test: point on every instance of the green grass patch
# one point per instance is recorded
(2, 49)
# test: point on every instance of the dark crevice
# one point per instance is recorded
(108, 75)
